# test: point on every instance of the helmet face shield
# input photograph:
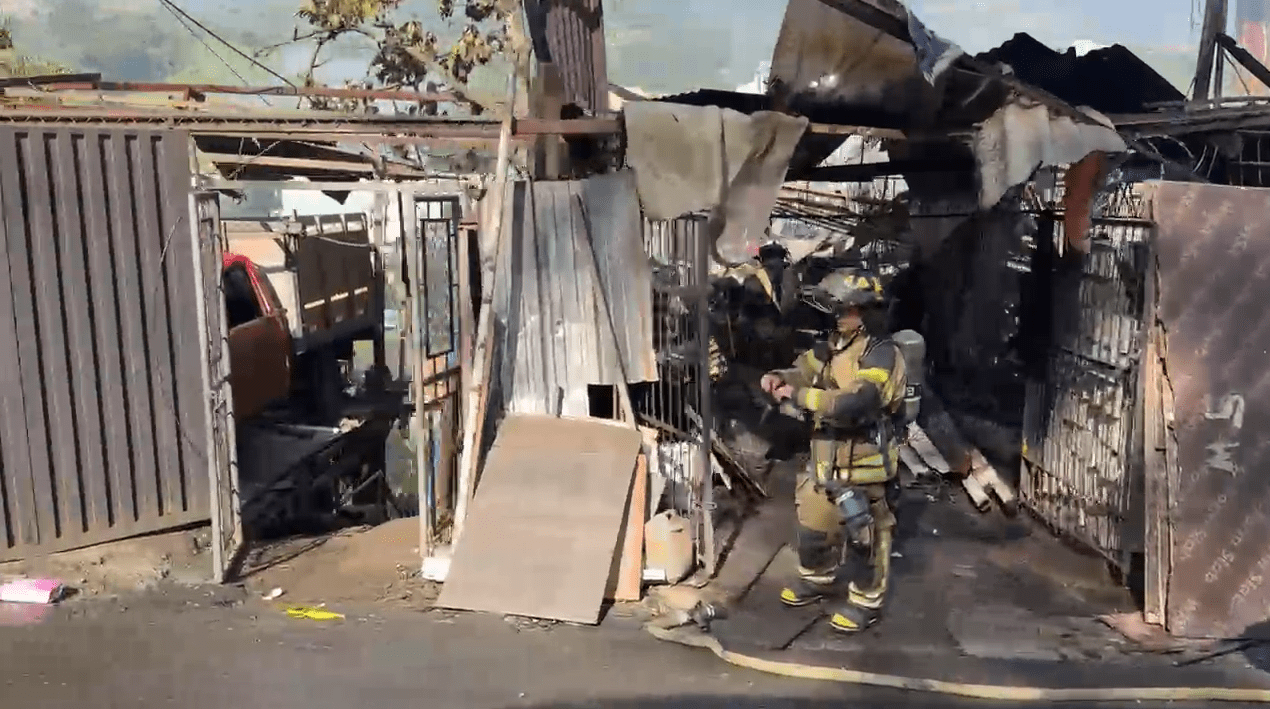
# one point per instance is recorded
(845, 288)
(819, 299)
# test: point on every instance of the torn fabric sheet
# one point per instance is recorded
(691, 159)
(1020, 138)
(675, 152)
(934, 53)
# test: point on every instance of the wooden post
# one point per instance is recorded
(467, 334)
(474, 419)
(1214, 24)
(548, 100)
(1157, 552)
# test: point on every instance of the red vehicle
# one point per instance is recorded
(261, 354)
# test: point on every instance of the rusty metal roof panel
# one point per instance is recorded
(555, 332)
(571, 35)
(825, 58)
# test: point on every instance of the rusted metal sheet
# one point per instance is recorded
(1079, 428)
(104, 393)
(571, 36)
(1214, 279)
(556, 339)
(825, 57)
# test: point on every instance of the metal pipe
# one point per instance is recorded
(705, 409)
(473, 422)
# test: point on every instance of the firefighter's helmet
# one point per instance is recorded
(773, 251)
(845, 288)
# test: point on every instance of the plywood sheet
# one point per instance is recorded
(541, 534)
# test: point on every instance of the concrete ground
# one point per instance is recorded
(200, 649)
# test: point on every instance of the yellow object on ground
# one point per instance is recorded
(693, 637)
(313, 613)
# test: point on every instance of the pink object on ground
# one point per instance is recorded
(31, 591)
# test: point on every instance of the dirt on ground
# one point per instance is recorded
(360, 565)
(137, 564)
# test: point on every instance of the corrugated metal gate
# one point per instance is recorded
(103, 390)
(1080, 458)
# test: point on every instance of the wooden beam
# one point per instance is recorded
(1244, 57)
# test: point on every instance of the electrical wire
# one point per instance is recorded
(256, 62)
(208, 47)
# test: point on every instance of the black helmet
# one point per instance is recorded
(844, 288)
(773, 251)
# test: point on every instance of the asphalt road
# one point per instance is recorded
(170, 653)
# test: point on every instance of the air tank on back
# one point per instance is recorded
(913, 348)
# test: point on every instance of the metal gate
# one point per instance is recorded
(1079, 471)
(103, 388)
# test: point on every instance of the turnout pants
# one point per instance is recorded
(822, 545)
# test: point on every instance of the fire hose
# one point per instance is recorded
(694, 637)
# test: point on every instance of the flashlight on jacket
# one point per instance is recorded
(854, 505)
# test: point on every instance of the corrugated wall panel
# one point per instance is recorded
(556, 339)
(103, 395)
(573, 35)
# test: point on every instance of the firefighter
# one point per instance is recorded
(852, 388)
(763, 299)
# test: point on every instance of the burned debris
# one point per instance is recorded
(613, 380)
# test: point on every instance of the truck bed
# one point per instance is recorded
(322, 268)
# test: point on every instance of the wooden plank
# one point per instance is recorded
(101, 278)
(50, 483)
(153, 246)
(88, 509)
(630, 573)
(21, 523)
(1156, 537)
(543, 527)
(141, 489)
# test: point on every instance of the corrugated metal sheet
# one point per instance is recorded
(571, 35)
(1080, 447)
(104, 395)
(553, 332)
(1214, 281)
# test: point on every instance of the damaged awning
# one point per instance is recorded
(876, 57)
(851, 63)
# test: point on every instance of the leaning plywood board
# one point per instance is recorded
(541, 534)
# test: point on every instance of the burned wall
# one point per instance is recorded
(972, 272)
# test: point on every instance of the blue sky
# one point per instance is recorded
(670, 45)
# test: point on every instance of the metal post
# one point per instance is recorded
(705, 393)
(408, 209)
